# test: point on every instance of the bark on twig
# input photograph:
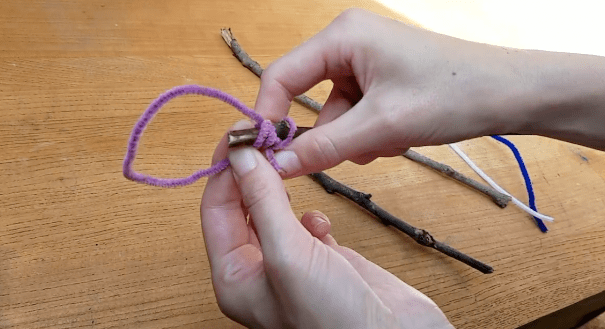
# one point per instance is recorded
(253, 66)
(499, 199)
(248, 136)
(421, 236)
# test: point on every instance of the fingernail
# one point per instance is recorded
(243, 160)
(242, 124)
(317, 220)
(320, 224)
(288, 161)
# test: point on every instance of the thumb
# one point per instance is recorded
(265, 197)
(345, 138)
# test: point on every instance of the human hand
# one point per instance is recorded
(275, 272)
(395, 86)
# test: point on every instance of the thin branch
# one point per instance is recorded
(332, 186)
(500, 199)
(421, 236)
(248, 136)
(253, 66)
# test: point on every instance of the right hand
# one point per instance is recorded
(395, 86)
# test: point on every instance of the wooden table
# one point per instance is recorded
(80, 246)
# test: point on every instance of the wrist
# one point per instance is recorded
(573, 105)
(556, 95)
(509, 92)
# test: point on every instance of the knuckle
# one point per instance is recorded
(267, 74)
(350, 255)
(343, 25)
(389, 118)
(272, 78)
(327, 153)
(364, 159)
(289, 262)
(282, 262)
(350, 16)
(267, 78)
(257, 192)
(226, 304)
(270, 75)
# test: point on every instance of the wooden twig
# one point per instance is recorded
(421, 236)
(248, 136)
(499, 199)
(253, 66)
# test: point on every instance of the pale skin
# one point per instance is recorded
(398, 86)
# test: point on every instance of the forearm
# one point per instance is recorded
(564, 98)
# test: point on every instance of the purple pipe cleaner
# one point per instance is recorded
(267, 137)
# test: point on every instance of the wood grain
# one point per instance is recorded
(83, 247)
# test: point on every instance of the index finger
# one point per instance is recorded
(223, 219)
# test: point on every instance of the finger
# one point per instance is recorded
(343, 96)
(329, 240)
(223, 220)
(317, 223)
(323, 147)
(326, 55)
(252, 235)
(222, 148)
(232, 248)
(366, 158)
(264, 196)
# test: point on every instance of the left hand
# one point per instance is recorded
(274, 271)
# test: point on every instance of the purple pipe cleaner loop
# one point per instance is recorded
(266, 134)
(267, 139)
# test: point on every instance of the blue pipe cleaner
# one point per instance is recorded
(528, 184)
